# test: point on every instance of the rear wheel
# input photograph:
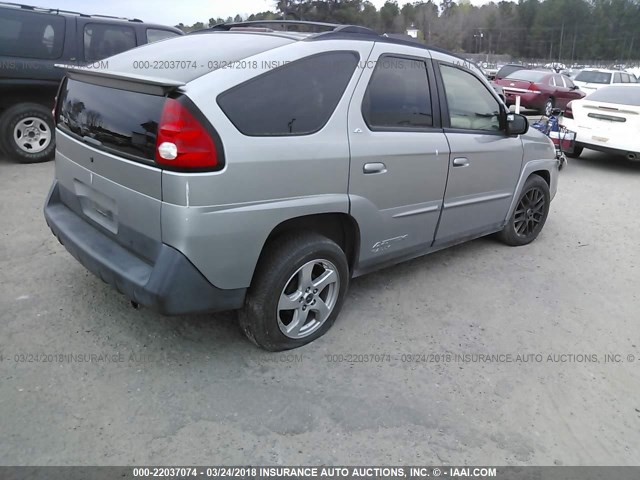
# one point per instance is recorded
(297, 292)
(577, 151)
(530, 213)
(27, 133)
(548, 107)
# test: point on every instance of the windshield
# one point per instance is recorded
(619, 95)
(528, 75)
(594, 77)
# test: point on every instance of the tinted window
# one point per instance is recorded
(155, 34)
(102, 41)
(528, 75)
(593, 77)
(622, 95)
(616, 78)
(31, 35)
(568, 82)
(509, 69)
(122, 120)
(471, 106)
(295, 99)
(398, 94)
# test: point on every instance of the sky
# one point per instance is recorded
(171, 12)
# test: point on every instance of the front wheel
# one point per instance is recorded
(548, 107)
(297, 292)
(27, 133)
(577, 151)
(530, 213)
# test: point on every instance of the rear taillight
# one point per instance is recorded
(182, 141)
(568, 112)
(534, 88)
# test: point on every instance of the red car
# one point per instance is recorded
(540, 90)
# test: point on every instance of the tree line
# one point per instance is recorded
(564, 30)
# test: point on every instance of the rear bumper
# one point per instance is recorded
(534, 101)
(606, 149)
(171, 285)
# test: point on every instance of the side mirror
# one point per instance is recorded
(517, 124)
(575, 87)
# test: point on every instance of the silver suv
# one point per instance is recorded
(246, 167)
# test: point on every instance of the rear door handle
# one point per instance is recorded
(377, 167)
(460, 162)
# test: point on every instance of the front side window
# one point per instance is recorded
(102, 40)
(398, 95)
(295, 99)
(31, 34)
(616, 78)
(471, 105)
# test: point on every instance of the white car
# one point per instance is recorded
(591, 79)
(607, 120)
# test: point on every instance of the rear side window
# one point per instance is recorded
(295, 99)
(616, 78)
(398, 95)
(31, 35)
(156, 34)
(103, 40)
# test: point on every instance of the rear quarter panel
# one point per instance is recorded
(221, 220)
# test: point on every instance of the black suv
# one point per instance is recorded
(32, 41)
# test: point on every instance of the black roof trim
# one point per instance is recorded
(331, 27)
(57, 11)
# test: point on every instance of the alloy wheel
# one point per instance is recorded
(308, 298)
(529, 212)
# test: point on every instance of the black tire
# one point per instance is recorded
(548, 107)
(534, 197)
(12, 117)
(577, 151)
(261, 318)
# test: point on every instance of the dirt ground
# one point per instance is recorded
(421, 367)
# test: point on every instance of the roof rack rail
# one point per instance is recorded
(330, 27)
(57, 11)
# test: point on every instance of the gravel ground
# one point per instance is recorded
(192, 390)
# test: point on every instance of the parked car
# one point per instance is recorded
(571, 72)
(591, 79)
(539, 90)
(508, 69)
(269, 187)
(32, 41)
(607, 120)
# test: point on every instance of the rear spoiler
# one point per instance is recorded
(122, 80)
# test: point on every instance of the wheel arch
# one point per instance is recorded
(545, 174)
(342, 228)
(547, 169)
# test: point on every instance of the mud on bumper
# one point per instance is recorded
(171, 285)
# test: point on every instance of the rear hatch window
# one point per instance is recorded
(121, 121)
(594, 77)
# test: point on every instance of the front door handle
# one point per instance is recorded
(460, 162)
(377, 167)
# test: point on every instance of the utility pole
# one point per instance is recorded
(561, 39)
